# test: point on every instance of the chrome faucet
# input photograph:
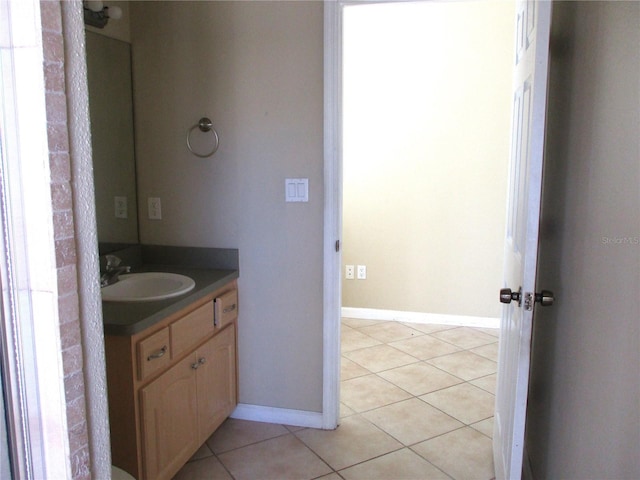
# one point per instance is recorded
(113, 271)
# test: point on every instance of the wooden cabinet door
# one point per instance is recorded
(216, 381)
(169, 420)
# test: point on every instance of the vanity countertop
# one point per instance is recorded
(129, 318)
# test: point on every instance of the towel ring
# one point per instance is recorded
(205, 125)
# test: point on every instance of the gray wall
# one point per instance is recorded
(256, 69)
(584, 400)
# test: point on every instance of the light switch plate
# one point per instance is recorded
(297, 190)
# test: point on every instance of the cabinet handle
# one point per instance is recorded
(230, 308)
(157, 354)
(201, 361)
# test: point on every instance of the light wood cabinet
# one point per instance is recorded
(172, 385)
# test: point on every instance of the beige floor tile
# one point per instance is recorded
(350, 369)
(208, 468)
(490, 331)
(465, 402)
(425, 347)
(465, 365)
(400, 465)
(380, 357)
(277, 458)
(369, 392)
(484, 426)
(359, 322)
(412, 421)
(489, 351)
(355, 440)
(419, 378)
(390, 332)
(331, 476)
(294, 428)
(235, 433)
(487, 383)
(345, 411)
(345, 329)
(465, 337)
(464, 454)
(354, 340)
(203, 452)
(428, 327)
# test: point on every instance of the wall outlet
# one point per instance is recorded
(120, 204)
(155, 208)
(349, 272)
(362, 272)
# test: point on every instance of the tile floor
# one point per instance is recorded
(416, 403)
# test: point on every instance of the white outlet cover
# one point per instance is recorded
(361, 272)
(349, 272)
(155, 208)
(121, 210)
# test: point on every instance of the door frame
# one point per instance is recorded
(332, 279)
(31, 363)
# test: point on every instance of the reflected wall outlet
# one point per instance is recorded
(349, 272)
(155, 208)
(120, 204)
(362, 272)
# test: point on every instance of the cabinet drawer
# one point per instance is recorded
(191, 329)
(153, 353)
(226, 308)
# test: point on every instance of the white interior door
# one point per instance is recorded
(521, 248)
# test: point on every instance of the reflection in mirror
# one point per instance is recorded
(111, 113)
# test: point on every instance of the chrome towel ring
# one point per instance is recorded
(205, 125)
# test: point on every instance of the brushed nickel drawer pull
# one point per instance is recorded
(230, 308)
(157, 354)
(201, 361)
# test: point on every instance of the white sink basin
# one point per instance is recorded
(147, 287)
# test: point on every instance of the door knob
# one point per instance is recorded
(545, 298)
(506, 295)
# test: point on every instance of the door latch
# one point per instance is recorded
(545, 298)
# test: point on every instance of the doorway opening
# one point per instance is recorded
(425, 122)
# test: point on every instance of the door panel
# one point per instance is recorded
(521, 246)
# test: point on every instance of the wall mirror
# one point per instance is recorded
(112, 140)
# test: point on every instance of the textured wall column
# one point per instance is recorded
(75, 239)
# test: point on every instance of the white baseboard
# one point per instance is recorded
(418, 317)
(284, 416)
(303, 418)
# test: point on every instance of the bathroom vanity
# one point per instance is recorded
(171, 373)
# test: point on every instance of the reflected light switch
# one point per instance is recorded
(297, 189)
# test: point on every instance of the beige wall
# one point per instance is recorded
(254, 68)
(426, 148)
(583, 413)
